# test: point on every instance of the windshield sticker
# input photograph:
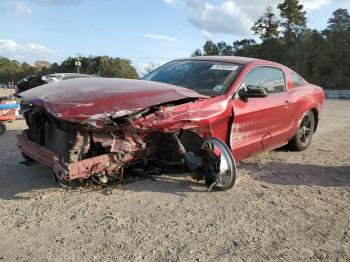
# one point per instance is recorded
(217, 88)
(224, 67)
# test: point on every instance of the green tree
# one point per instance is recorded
(245, 47)
(55, 68)
(9, 70)
(210, 48)
(322, 58)
(224, 48)
(116, 67)
(295, 19)
(339, 22)
(337, 52)
(101, 65)
(306, 56)
(273, 49)
(267, 26)
(197, 52)
(68, 65)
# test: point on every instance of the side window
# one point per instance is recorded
(268, 77)
(297, 80)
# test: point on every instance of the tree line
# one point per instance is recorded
(322, 57)
(105, 66)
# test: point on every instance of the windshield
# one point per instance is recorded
(205, 77)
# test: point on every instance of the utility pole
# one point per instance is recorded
(78, 63)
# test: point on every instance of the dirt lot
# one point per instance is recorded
(287, 206)
(6, 91)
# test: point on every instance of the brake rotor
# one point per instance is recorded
(222, 165)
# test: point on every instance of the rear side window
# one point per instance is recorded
(268, 77)
(297, 80)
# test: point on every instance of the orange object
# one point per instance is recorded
(8, 114)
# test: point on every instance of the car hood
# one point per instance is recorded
(95, 101)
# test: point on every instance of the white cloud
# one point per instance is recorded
(223, 18)
(207, 35)
(310, 5)
(22, 10)
(235, 17)
(28, 52)
(161, 37)
(314, 4)
(170, 2)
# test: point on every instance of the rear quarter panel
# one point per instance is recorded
(306, 98)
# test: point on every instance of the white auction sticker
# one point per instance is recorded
(224, 67)
(217, 88)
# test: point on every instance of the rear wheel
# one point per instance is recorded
(2, 128)
(303, 137)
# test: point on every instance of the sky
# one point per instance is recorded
(143, 31)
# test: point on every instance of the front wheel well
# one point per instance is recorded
(315, 112)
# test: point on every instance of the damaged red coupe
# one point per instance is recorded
(196, 115)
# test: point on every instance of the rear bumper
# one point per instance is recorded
(63, 170)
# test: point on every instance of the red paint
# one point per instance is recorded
(95, 100)
(248, 127)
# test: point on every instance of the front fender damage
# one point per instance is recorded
(161, 139)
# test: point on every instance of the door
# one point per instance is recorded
(261, 123)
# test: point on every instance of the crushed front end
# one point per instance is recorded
(164, 138)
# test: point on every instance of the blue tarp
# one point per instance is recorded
(9, 106)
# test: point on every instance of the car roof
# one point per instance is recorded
(229, 59)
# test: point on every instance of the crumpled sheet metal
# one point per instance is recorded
(95, 101)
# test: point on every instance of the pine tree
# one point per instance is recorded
(267, 26)
(340, 20)
(295, 19)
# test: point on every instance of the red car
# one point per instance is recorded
(198, 115)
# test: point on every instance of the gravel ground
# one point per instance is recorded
(289, 206)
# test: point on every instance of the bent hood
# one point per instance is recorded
(95, 101)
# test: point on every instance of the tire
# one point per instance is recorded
(2, 128)
(303, 137)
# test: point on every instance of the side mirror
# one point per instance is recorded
(253, 91)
